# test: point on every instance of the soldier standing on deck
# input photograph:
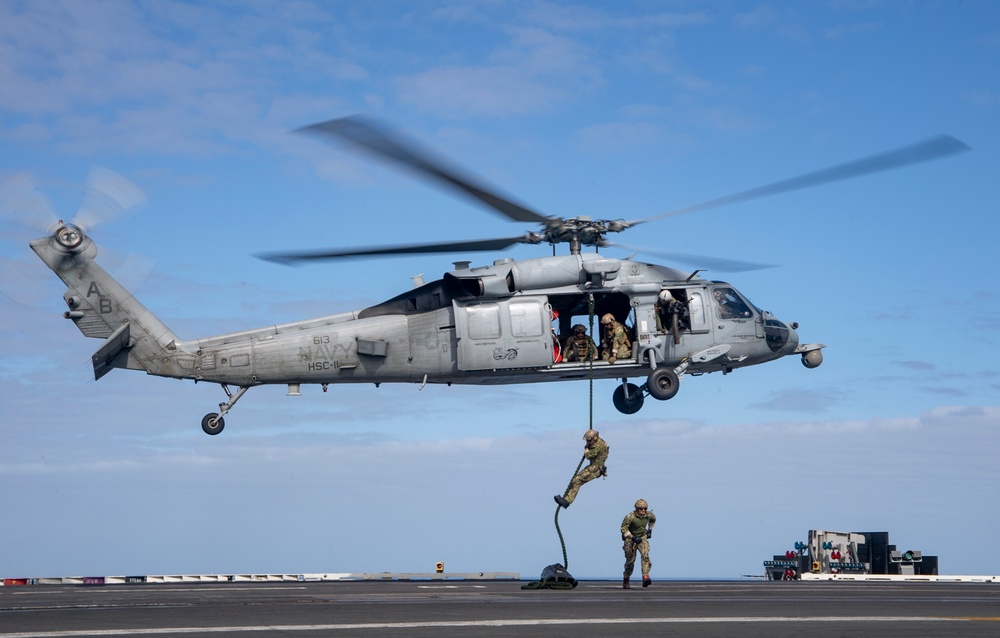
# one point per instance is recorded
(637, 528)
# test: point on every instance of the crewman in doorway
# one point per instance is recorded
(671, 315)
(579, 345)
(614, 339)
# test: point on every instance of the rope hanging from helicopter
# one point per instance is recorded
(562, 542)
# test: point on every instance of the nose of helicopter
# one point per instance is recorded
(781, 337)
(793, 338)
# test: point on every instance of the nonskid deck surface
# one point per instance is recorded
(501, 608)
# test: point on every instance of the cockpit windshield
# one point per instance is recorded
(730, 305)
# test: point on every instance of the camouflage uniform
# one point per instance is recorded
(597, 453)
(580, 347)
(614, 342)
(634, 526)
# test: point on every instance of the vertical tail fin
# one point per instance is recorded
(101, 308)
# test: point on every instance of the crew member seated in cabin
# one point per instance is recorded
(579, 345)
(614, 339)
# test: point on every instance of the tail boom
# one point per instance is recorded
(102, 308)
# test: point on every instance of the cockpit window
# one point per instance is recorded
(730, 305)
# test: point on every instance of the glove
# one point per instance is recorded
(612, 359)
(649, 533)
(637, 540)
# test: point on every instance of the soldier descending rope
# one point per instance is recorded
(595, 451)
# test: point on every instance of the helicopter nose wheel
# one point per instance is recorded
(213, 423)
(628, 398)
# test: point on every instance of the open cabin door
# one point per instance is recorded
(504, 334)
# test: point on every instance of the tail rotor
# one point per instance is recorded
(26, 212)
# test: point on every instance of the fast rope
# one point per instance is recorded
(590, 312)
(562, 543)
(559, 507)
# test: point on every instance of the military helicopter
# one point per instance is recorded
(488, 324)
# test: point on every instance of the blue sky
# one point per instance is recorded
(625, 110)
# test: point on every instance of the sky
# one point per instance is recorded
(612, 110)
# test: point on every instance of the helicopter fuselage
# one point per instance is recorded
(498, 324)
(504, 323)
(492, 325)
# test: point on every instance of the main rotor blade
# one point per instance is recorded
(411, 249)
(702, 262)
(933, 148)
(376, 139)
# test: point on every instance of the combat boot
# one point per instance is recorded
(563, 503)
(646, 580)
(625, 584)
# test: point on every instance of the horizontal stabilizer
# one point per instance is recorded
(113, 353)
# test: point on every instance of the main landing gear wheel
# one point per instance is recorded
(213, 423)
(630, 404)
(663, 384)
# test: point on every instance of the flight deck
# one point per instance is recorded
(498, 607)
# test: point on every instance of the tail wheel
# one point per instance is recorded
(663, 384)
(632, 403)
(213, 423)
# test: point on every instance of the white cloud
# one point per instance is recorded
(533, 73)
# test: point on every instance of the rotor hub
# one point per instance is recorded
(69, 236)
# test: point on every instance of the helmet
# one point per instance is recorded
(665, 296)
(590, 435)
(580, 328)
(608, 318)
(641, 504)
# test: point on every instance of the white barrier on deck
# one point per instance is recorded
(256, 578)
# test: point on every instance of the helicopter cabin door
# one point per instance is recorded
(504, 333)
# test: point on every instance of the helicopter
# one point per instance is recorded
(502, 323)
